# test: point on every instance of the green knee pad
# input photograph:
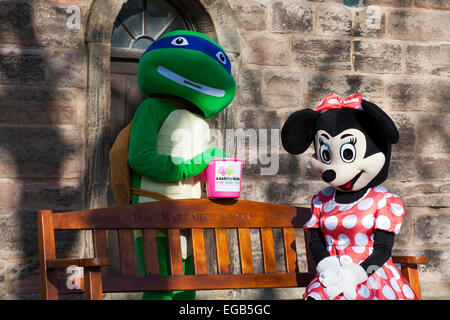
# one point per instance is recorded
(164, 268)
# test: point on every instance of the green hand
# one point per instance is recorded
(197, 164)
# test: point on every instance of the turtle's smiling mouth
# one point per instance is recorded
(190, 84)
(349, 185)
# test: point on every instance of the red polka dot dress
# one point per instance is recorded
(349, 229)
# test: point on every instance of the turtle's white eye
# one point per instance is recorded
(221, 57)
(179, 41)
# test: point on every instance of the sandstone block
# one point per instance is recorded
(369, 22)
(334, 20)
(418, 94)
(406, 125)
(40, 152)
(391, 3)
(259, 119)
(250, 15)
(288, 192)
(319, 85)
(377, 56)
(281, 88)
(57, 197)
(322, 54)
(266, 49)
(433, 228)
(432, 4)
(22, 105)
(428, 59)
(21, 66)
(9, 197)
(416, 25)
(66, 68)
(401, 167)
(55, 27)
(433, 133)
(434, 167)
(17, 24)
(289, 16)
(249, 84)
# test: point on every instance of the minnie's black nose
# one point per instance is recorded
(328, 175)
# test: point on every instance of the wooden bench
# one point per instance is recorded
(173, 215)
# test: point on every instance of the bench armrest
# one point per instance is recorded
(410, 259)
(86, 263)
(409, 270)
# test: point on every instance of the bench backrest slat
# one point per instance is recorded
(198, 251)
(222, 250)
(176, 262)
(150, 251)
(126, 246)
(245, 250)
(101, 246)
(268, 251)
(290, 249)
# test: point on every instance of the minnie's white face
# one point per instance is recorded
(340, 162)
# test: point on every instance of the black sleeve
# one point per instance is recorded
(382, 249)
(317, 245)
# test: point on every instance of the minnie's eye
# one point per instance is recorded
(180, 41)
(348, 152)
(221, 57)
(325, 153)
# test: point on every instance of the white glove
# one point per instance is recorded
(329, 270)
(351, 275)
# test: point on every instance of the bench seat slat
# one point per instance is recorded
(199, 282)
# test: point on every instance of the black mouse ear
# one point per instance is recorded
(384, 124)
(297, 132)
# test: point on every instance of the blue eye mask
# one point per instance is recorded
(193, 43)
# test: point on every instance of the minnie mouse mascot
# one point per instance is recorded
(354, 220)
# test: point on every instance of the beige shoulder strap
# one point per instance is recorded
(149, 194)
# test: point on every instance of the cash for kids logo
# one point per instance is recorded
(226, 175)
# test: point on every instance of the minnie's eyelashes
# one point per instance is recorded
(321, 140)
(353, 140)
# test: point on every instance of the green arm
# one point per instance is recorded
(143, 157)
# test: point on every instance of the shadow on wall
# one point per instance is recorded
(41, 146)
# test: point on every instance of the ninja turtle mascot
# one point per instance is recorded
(187, 79)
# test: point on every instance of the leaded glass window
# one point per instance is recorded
(141, 22)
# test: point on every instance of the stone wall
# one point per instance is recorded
(395, 53)
(42, 97)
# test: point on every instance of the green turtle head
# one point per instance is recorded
(188, 65)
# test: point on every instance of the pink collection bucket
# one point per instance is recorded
(224, 178)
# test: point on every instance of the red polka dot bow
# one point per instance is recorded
(333, 101)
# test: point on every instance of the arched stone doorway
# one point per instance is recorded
(214, 18)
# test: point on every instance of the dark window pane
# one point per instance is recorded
(142, 43)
